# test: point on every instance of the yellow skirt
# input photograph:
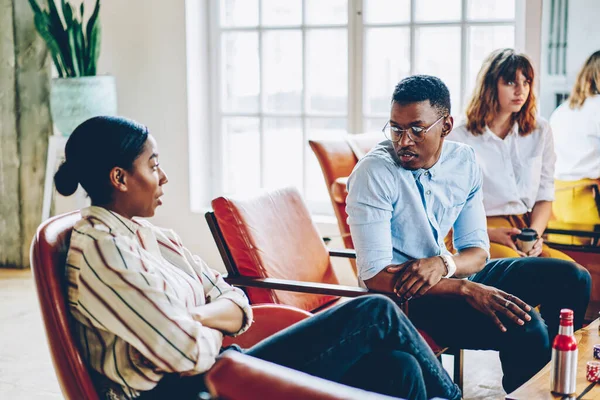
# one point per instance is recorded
(575, 203)
(517, 221)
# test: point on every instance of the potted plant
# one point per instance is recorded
(77, 94)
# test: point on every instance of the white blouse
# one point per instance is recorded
(577, 137)
(518, 171)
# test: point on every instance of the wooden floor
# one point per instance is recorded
(26, 371)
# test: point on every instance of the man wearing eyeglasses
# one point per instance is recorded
(405, 196)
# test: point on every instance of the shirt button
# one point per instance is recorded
(428, 192)
(427, 173)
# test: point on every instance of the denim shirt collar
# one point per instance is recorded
(436, 169)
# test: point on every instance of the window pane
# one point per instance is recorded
(482, 40)
(281, 12)
(438, 54)
(241, 154)
(490, 9)
(239, 12)
(320, 128)
(438, 10)
(375, 125)
(283, 152)
(386, 11)
(282, 58)
(327, 70)
(326, 12)
(239, 71)
(384, 66)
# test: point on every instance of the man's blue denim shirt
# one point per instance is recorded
(396, 215)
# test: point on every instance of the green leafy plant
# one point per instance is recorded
(74, 47)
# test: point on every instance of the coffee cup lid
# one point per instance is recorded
(527, 234)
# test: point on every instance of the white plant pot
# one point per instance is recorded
(74, 100)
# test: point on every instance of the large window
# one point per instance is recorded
(291, 70)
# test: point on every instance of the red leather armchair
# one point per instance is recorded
(259, 380)
(48, 257)
(337, 159)
(270, 246)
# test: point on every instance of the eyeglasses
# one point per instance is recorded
(415, 133)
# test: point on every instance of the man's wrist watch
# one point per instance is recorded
(450, 265)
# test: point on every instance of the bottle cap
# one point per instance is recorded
(566, 313)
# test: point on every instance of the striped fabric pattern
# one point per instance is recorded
(132, 288)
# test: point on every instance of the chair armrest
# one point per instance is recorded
(238, 376)
(268, 319)
(345, 253)
(297, 286)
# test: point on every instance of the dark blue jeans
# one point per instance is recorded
(366, 343)
(549, 283)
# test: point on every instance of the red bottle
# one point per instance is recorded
(564, 356)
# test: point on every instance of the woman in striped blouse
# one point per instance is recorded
(151, 316)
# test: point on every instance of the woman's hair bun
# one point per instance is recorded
(66, 180)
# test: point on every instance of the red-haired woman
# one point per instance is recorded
(515, 150)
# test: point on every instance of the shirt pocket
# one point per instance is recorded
(530, 175)
(449, 216)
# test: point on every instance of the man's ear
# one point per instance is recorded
(118, 179)
(447, 127)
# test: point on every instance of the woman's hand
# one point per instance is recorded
(504, 236)
(537, 248)
(222, 314)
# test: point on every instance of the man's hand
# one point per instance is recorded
(536, 250)
(416, 277)
(491, 301)
(505, 236)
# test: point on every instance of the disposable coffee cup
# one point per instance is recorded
(526, 239)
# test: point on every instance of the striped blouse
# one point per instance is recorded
(132, 287)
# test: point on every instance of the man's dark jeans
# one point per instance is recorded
(366, 343)
(549, 283)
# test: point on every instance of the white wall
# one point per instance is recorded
(163, 81)
(144, 47)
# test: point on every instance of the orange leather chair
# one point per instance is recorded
(271, 246)
(259, 380)
(337, 159)
(48, 257)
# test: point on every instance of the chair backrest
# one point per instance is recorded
(337, 158)
(48, 256)
(272, 235)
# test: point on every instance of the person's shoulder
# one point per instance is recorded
(593, 100)
(379, 158)
(92, 235)
(542, 123)
(542, 128)
(377, 165)
(460, 133)
(159, 232)
(458, 151)
(93, 229)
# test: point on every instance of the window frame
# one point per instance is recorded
(354, 116)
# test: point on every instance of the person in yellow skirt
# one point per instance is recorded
(576, 128)
(515, 150)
